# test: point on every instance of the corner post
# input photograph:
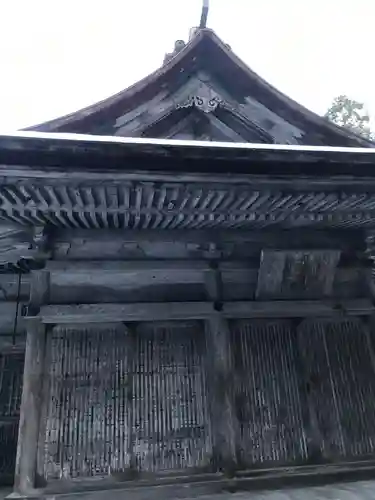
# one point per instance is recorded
(32, 391)
(31, 402)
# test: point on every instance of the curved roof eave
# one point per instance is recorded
(318, 120)
(125, 94)
(201, 35)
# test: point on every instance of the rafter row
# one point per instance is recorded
(143, 206)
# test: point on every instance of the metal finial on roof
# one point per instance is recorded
(204, 16)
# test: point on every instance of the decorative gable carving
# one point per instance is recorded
(198, 94)
(300, 274)
(207, 104)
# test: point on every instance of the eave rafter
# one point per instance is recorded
(178, 206)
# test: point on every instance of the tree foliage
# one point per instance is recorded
(350, 114)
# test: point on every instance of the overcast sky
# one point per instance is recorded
(60, 55)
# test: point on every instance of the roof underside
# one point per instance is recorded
(134, 183)
(86, 182)
(205, 92)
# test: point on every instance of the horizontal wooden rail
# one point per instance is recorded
(102, 313)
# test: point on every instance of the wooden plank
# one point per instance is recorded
(302, 308)
(279, 238)
(219, 366)
(30, 408)
(15, 173)
(39, 290)
(300, 273)
(102, 313)
(9, 287)
(75, 282)
(7, 318)
(154, 271)
(221, 393)
(118, 266)
(214, 284)
(99, 313)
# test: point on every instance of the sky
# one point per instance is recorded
(58, 56)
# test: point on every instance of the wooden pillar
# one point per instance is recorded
(31, 402)
(39, 291)
(221, 378)
(221, 392)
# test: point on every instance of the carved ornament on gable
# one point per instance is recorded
(206, 103)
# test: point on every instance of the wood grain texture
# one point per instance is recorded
(221, 383)
(267, 394)
(122, 405)
(172, 204)
(31, 404)
(99, 313)
(297, 274)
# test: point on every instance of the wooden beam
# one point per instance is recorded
(39, 290)
(31, 404)
(298, 309)
(37, 175)
(135, 274)
(152, 266)
(118, 266)
(101, 313)
(73, 282)
(279, 238)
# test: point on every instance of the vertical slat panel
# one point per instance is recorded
(267, 399)
(120, 400)
(342, 382)
(80, 402)
(171, 421)
(11, 374)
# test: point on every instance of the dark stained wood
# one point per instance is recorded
(298, 309)
(102, 313)
(7, 318)
(297, 274)
(173, 205)
(39, 290)
(214, 284)
(99, 313)
(274, 237)
(170, 284)
(219, 364)
(31, 406)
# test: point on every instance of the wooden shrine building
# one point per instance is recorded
(181, 312)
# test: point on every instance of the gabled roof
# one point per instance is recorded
(205, 92)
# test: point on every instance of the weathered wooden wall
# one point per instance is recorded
(123, 401)
(120, 399)
(11, 370)
(202, 386)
